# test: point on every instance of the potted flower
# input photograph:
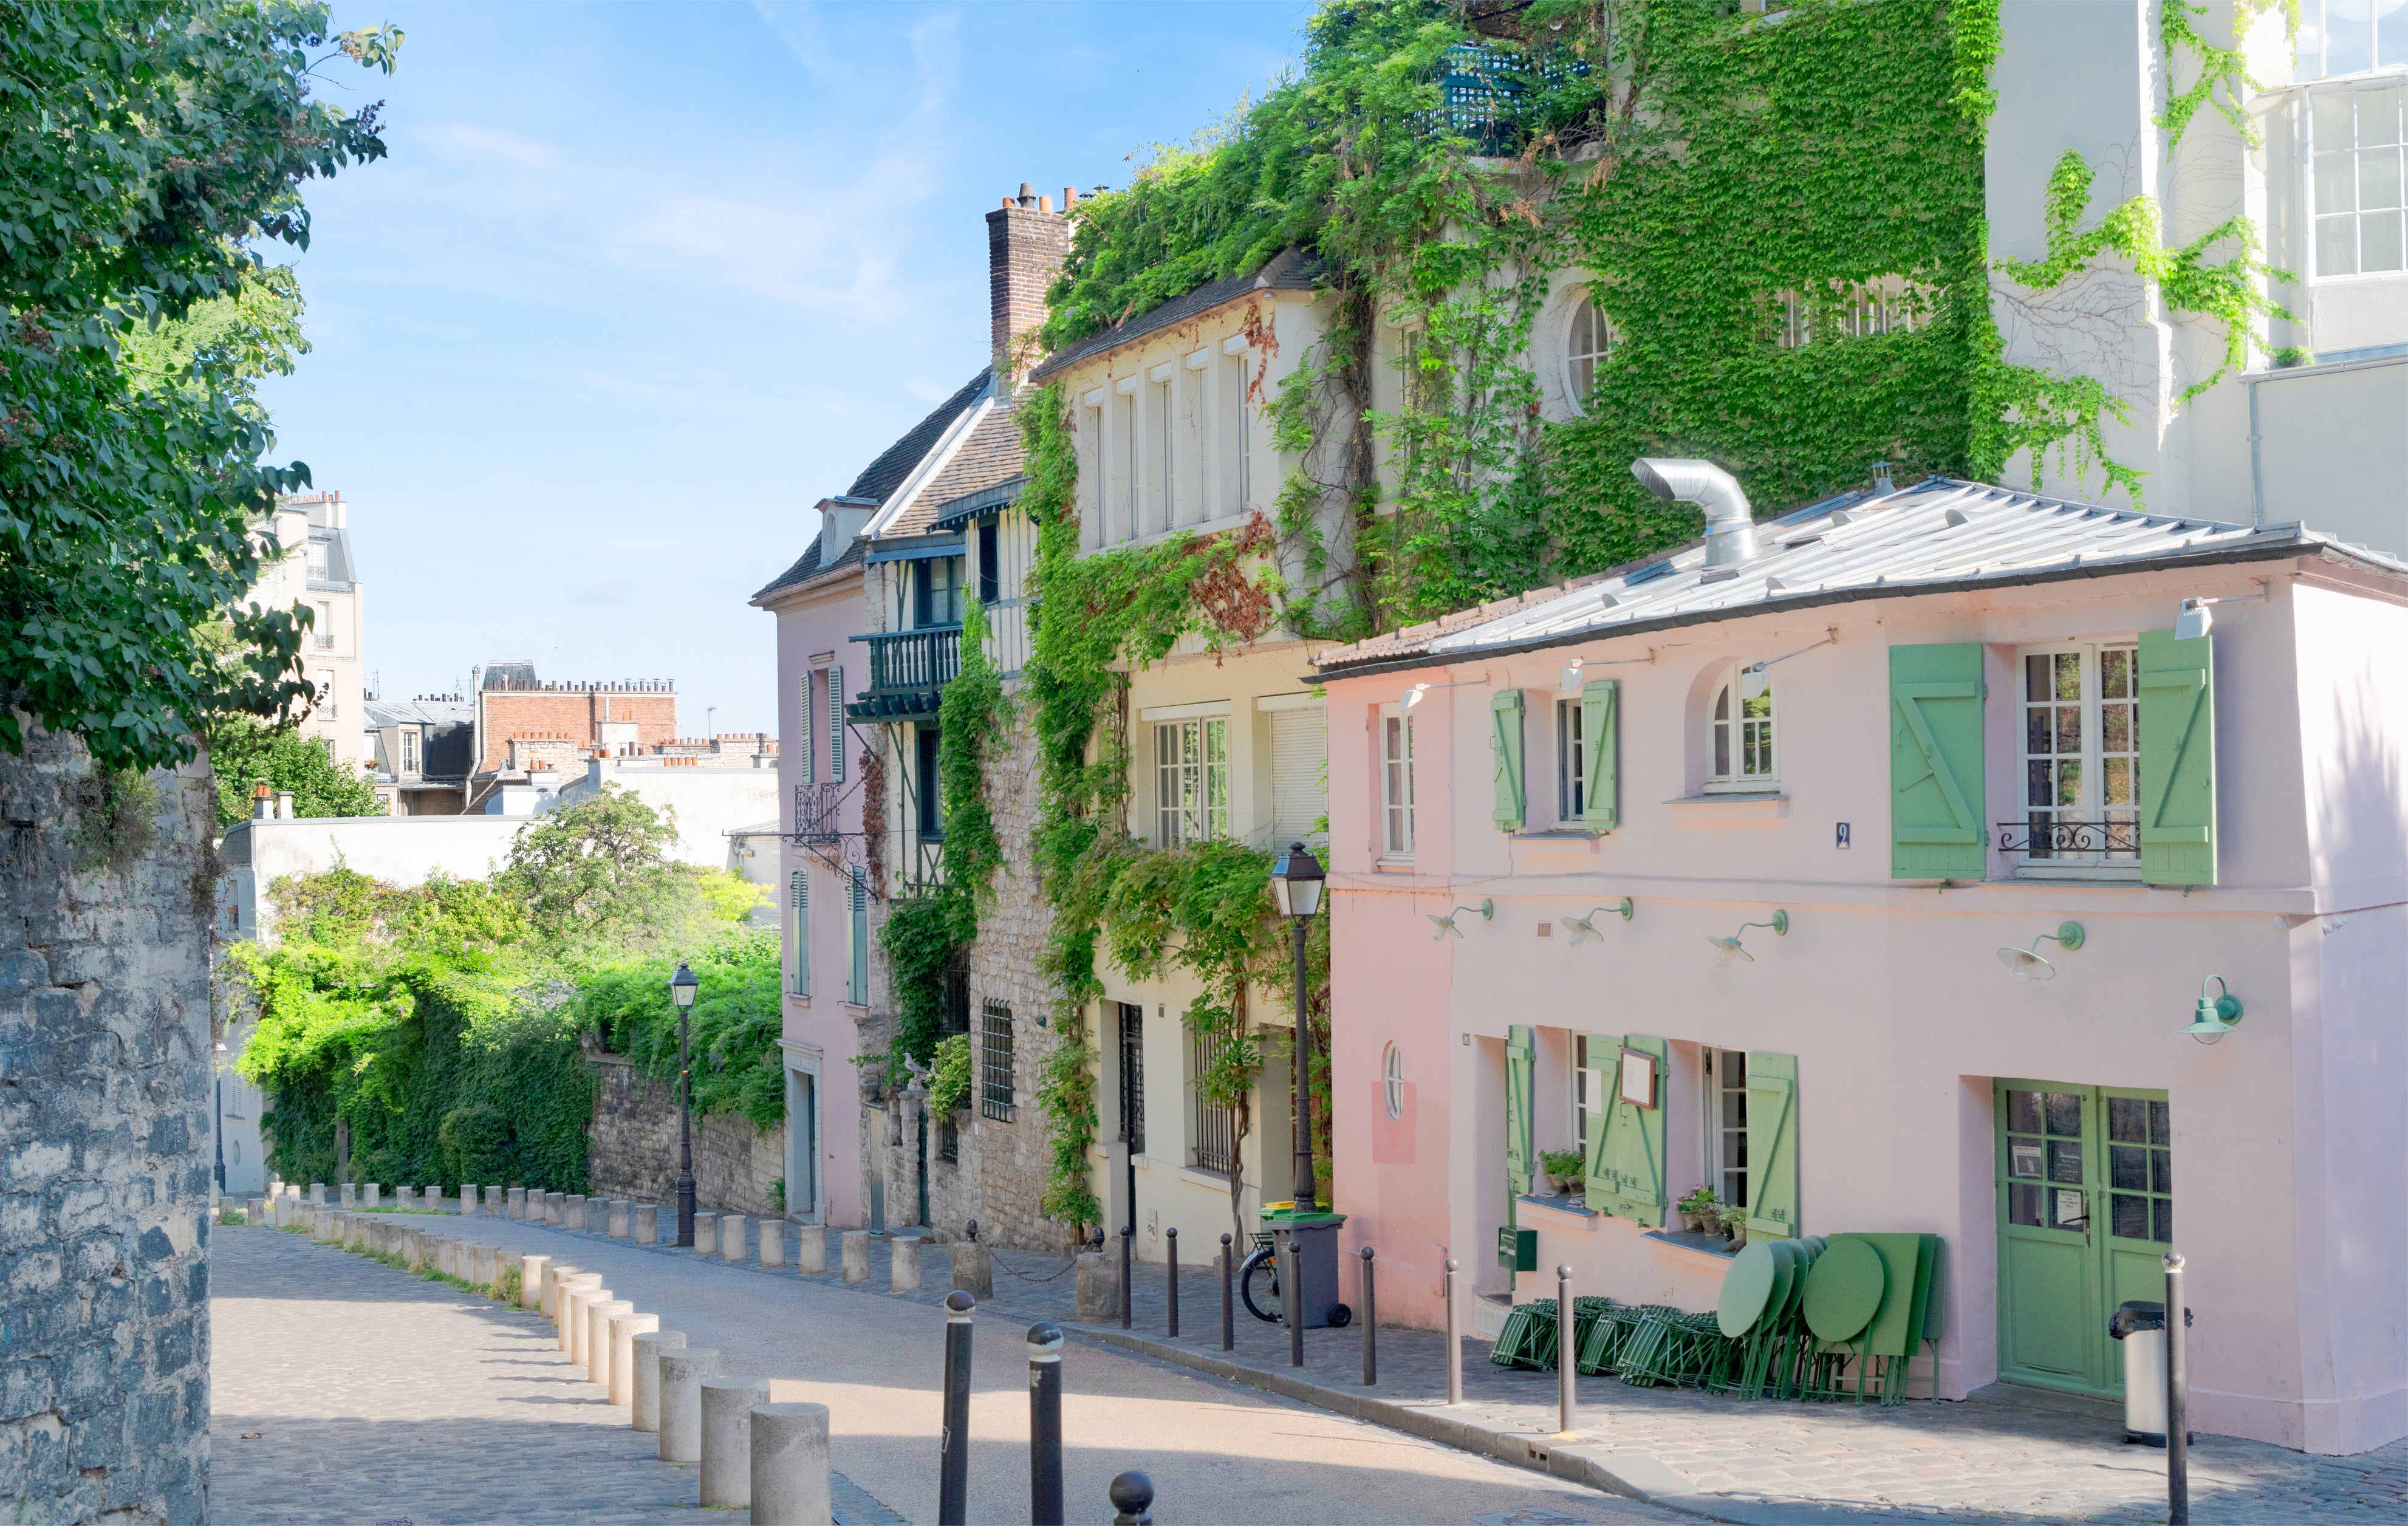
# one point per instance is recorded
(1734, 1220)
(1700, 1210)
(1558, 1172)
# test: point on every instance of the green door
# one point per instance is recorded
(2085, 1209)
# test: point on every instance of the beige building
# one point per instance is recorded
(317, 574)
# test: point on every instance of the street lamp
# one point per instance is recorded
(682, 988)
(1295, 888)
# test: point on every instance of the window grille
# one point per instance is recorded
(1212, 1127)
(1489, 93)
(994, 1062)
(1133, 1076)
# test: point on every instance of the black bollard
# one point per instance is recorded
(1229, 1298)
(1171, 1237)
(1045, 1425)
(2177, 1396)
(1128, 1237)
(1292, 1302)
(1370, 1327)
(954, 1467)
(1132, 1495)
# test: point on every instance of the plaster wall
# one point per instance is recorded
(710, 802)
(1890, 993)
(398, 850)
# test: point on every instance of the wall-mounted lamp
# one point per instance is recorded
(1569, 684)
(2027, 964)
(2217, 1017)
(1728, 949)
(2193, 620)
(1413, 695)
(1754, 680)
(1584, 928)
(1443, 927)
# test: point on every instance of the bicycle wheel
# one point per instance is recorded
(1262, 1267)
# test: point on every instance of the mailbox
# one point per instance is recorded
(1517, 1250)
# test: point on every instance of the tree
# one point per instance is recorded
(248, 753)
(600, 864)
(144, 147)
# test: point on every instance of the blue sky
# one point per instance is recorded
(641, 284)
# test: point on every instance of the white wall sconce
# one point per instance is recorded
(1574, 673)
(1443, 927)
(1582, 929)
(1413, 695)
(1728, 949)
(2194, 619)
(2217, 1017)
(2027, 964)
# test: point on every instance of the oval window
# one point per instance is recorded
(1392, 1066)
(1587, 342)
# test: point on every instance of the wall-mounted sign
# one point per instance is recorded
(1638, 1078)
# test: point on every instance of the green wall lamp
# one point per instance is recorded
(1728, 949)
(1584, 928)
(2217, 1017)
(2027, 964)
(1443, 927)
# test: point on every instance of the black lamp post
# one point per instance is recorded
(682, 988)
(1295, 887)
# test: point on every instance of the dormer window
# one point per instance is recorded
(1741, 719)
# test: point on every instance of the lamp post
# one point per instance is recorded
(682, 988)
(1295, 887)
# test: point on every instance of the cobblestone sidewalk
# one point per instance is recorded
(2008, 1454)
(343, 1391)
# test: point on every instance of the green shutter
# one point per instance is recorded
(1603, 1051)
(803, 745)
(1772, 1146)
(1505, 747)
(1627, 1176)
(2177, 759)
(1521, 1051)
(1600, 754)
(836, 724)
(802, 899)
(857, 982)
(1935, 763)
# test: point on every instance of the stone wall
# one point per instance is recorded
(105, 1063)
(631, 1148)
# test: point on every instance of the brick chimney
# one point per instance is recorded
(1026, 241)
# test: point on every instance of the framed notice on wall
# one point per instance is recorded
(1638, 1086)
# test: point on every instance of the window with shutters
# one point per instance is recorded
(1191, 780)
(1724, 1115)
(2081, 742)
(1742, 750)
(1299, 741)
(807, 726)
(836, 724)
(798, 895)
(1395, 785)
(1592, 1072)
(1570, 776)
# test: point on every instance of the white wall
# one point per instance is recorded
(400, 850)
(710, 802)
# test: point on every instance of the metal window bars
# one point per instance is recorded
(1212, 1127)
(996, 1062)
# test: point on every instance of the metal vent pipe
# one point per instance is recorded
(1731, 524)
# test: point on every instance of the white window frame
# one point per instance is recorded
(1237, 495)
(1396, 733)
(1392, 1081)
(1571, 779)
(2309, 51)
(2315, 156)
(1722, 1074)
(1730, 737)
(1589, 1099)
(2092, 756)
(1593, 349)
(409, 751)
(1191, 774)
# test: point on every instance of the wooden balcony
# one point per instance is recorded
(909, 670)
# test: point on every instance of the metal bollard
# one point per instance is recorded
(1566, 1352)
(1128, 1239)
(1132, 1495)
(2177, 1396)
(1292, 1302)
(1454, 1342)
(1171, 1239)
(953, 1471)
(1370, 1326)
(1229, 1298)
(1045, 1425)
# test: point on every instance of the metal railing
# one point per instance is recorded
(818, 818)
(905, 663)
(2044, 836)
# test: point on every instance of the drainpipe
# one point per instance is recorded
(1731, 523)
(2257, 477)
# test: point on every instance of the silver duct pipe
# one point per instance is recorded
(1731, 524)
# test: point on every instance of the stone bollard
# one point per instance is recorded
(517, 1202)
(553, 1273)
(563, 1303)
(773, 1242)
(597, 1338)
(317, 1194)
(373, 1194)
(404, 1198)
(597, 1215)
(857, 1255)
(727, 1439)
(903, 1266)
(974, 1270)
(468, 1200)
(625, 1327)
(411, 1249)
(618, 1217)
(531, 1269)
(1099, 1287)
(254, 1212)
(706, 1235)
(485, 1269)
(580, 1300)
(681, 1376)
(351, 1195)
(572, 1212)
(811, 1248)
(644, 1396)
(433, 1200)
(789, 1466)
(648, 1224)
(494, 1202)
(731, 1238)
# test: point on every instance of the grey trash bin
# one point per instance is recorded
(2141, 1326)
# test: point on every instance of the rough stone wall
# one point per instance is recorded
(104, 1146)
(631, 1148)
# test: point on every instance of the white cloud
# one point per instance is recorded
(490, 145)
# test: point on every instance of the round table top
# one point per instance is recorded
(1846, 1290)
(1747, 1287)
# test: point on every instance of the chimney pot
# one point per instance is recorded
(1028, 194)
(1070, 197)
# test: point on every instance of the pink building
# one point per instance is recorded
(1762, 834)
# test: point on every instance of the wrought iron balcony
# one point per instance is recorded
(2045, 836)
(817, 814)
(909, 670)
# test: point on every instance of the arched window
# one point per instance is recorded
(1744, 754)
(1588, 341)
(1392, 1070)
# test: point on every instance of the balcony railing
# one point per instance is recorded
(2043, 837)
(817, 815)
(908, 671)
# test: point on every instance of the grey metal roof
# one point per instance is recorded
(421, 711)
(1939, 535)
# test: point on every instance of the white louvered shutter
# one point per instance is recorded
(1299, 773)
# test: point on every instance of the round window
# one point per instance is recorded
(1588, 341)
(1392, 1068)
